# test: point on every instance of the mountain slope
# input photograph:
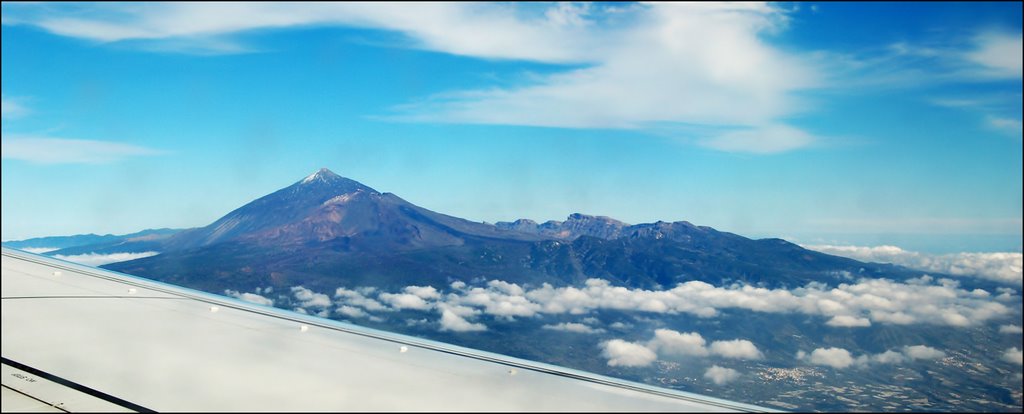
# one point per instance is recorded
(326, 231)
(146, 240)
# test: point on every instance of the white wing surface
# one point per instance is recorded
(77, 338)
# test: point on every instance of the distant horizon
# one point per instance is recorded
(924, 243)
(862, 124)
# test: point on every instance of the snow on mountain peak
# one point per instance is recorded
(322, 174)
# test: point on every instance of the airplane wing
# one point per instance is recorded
(77, 338)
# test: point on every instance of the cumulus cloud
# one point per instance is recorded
(833, 357)
(720, 375)
(868, 301)
(96, 259)
(310, 299)
(450, 321)
(627, 354)
(736, 348)
(573, 327)
(889, 357)
(45, 150)
(499, 298)
(1002, 267)
(671, 342)
(840, 358)
(1010, 329)
(847, 321)
(423, 292)
(922, 352)
(405, 301)
(356, 298)
(250, 297)
(1014, 356)
(351, 311)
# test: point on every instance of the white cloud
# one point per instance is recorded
(680, 75)
(1003, 267)
(670, 342)
(1014, 356)
(868, 301)
(499, 299)
(736, 348)
(351, 311)
(1010, 329)
(627, 354)
(95, 259)
(310, 299)
(11, 108)
(44, 150)
(847, 321)
(450, 321)
(38, 250)
(404, 301)
(999, 53)
(696, 64)
(833, 357)
(889, 357)
(1010, 126)
(423, 292)
(720, 375)
(573, 327)
(768, 139)
(250, 297)
(355, 298)
(841, 358)
(922, 352)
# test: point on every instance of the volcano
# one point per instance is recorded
(327, 231)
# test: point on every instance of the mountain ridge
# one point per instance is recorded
(325, 229)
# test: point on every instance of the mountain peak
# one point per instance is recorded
(322, 174)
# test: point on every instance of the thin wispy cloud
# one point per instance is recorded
(637, 66)
(999, 53)
(12, 108)
(1011, 126)
(699, 64)
(45, 150)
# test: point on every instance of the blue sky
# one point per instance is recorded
(852, 123)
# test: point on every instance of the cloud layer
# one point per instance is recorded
(1002, 267)
(95, 259)
(848, 305)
